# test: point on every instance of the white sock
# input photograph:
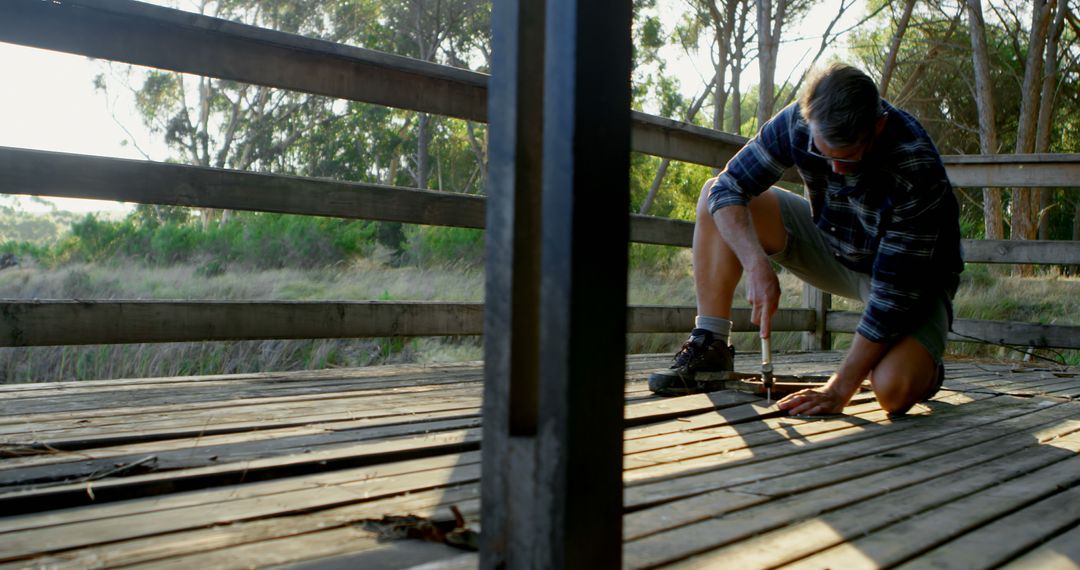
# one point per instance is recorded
(719, 326)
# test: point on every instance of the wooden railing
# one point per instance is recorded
(142, 34)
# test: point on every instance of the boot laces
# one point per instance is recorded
(693, 349)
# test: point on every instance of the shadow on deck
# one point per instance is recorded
(269, 469)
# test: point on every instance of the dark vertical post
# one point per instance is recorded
(555, 318)
(583, 282)
(819, 338)
(512, 301)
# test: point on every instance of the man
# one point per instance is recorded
(881, 224)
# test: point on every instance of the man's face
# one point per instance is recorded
(846, 160)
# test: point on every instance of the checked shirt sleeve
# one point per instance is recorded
(758, 165)
(904, 265)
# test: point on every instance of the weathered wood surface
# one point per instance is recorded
(236, 471)
(44, 173)
(134, 32)
(970, 330)
(41, 323)
(1014, 251)
(1003, 170)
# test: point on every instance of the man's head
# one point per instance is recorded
(845, 113)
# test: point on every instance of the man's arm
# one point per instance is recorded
(753, 170)
(762, 286)
(861, 358)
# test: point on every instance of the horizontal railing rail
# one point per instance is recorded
(982, 330)
(45, 323)
(55, 174)
(142, 34)
(45, 173)
(166, 38)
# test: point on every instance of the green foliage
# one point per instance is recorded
(22, 249)
(659, 258)
(428, 245)
(249, 239)
(934, 81)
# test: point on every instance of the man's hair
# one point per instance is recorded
(842, 103)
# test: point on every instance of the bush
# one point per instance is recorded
(255, 240)
(440, 245)
(662, 258)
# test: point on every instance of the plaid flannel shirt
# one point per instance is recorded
(896, 220)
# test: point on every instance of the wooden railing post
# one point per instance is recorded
(820, 302)
(555, 321)
(512, 300)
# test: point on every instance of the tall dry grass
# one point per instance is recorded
(983, 295)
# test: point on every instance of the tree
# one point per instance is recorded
(224, 124)
(770, 22)
(443, 31)
(1025, 200)
(1047, 103)
(894, 48)
(984, 101)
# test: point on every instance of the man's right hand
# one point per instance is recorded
(763, 293)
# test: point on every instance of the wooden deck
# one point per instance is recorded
(263, 470)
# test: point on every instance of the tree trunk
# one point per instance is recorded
(1024, 202)
(984, 99)
(722, 26)
(661, 172)
(931, 55)
(1076, 220)
(423, 138)
(894, 48)
(769, 27)
(1048, 102)
(737, 66)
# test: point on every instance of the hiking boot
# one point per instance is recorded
(700, 353)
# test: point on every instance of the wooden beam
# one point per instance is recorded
(577, 483)
(512, 269)
(153, 36)
(57, 174)
(165, 38)
(48, 323)
(818, 301)
(677, 140)
(116, 322)
(1022, 251)
(671, 319)
(1004, 170)
(1000, 332)
(35, 323)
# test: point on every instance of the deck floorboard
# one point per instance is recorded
(289, 470)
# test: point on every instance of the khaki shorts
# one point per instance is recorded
(808, 257)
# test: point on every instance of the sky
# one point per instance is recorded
(48, 102)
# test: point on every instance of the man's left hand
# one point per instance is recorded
(813, 402)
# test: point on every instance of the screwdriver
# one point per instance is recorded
(766, 368)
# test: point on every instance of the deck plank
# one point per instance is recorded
(991, 545)
(852, 521)
(665, 543)
(280, 469)
(910, 538)
(1059, 553)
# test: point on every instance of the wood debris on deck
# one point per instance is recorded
(291, 469)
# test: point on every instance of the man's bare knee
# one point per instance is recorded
(703, 199)
(897, 390)
(904, 376)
